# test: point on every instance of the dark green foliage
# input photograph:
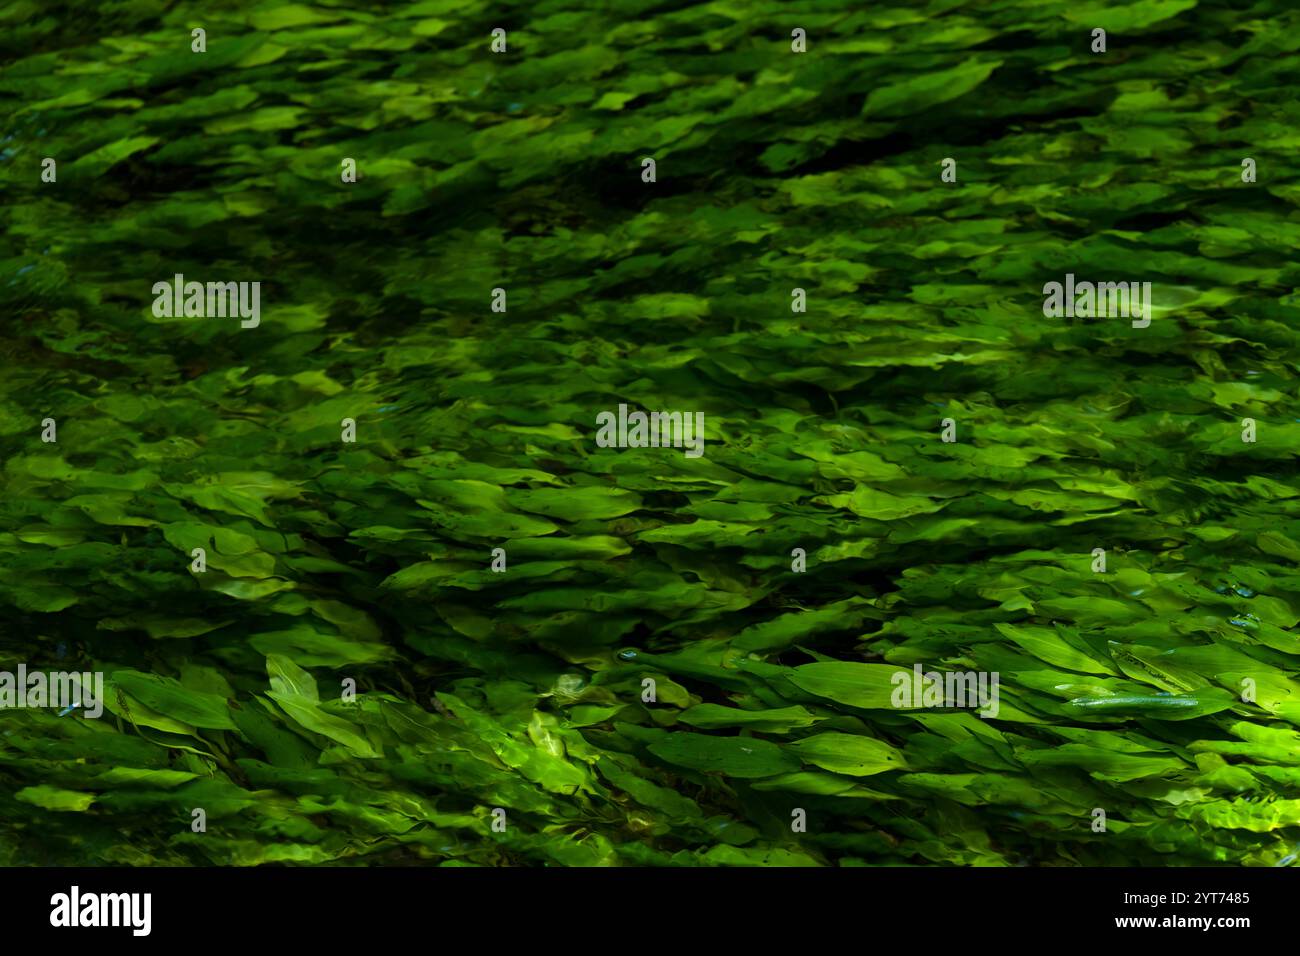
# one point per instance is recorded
(476, 430)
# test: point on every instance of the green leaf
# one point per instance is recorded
(869, 686)
(52, 798)
(848, 753)
(169, 698)
(923, 90)
(775, 720)
(742, 757)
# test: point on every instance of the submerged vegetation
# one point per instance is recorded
(828, 536)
